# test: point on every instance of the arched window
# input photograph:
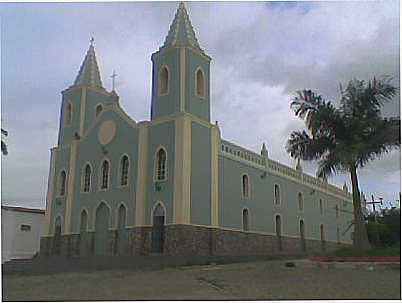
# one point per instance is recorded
(124, 167)
(62, 183)
(98, 110)
(200, 83)
(105, 175)
(87, 178)
(245, 219)
(69, 114)
(121, 222)
(163, 81)
(84, 221)
(337, 210)
(301, 204)
(277, 195)
(245, 186)
(321, 207)
(161, 165)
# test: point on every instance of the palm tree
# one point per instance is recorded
(4, 150)
(345, 138)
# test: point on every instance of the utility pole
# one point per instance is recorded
(377, 235)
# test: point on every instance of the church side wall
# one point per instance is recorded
(262, 209)
(91, 151)
(160, 135)
(200, 175)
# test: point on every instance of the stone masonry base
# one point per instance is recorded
(183, 240)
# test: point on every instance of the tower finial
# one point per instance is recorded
(113, 76)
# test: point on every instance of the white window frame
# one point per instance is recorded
(199, 68)
(101, 175)
(160, 93)
(156, 165)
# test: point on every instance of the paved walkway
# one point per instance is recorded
(263, 280)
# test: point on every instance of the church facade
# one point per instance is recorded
(172, 185)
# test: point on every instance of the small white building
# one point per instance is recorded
(21, 229)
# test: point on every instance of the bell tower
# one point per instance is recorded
(180, 73)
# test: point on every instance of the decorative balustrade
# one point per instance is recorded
(233, 150)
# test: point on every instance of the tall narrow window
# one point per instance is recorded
(87, 178)
(124, 167)
(62, 184)
(164, 81)
(337, 211)
(161, 165)
(277, 194)
(301, 204)
(245, 186)
(105, 175)
(321, 207)
(245, 219)
(200, 83)
(69, 114)
(98, 110)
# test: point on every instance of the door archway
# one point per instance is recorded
(102, 230)
(57, 237)
(158, 224)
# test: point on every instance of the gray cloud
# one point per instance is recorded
(261, 54)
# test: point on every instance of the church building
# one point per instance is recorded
(172, 185)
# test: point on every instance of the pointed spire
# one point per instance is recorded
(181, 32)
(264, 151)
(89, 72)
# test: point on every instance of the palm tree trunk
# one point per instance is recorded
(360, 239)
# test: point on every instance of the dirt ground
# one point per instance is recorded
(269, 280)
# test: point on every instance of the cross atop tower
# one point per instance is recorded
(113, 76)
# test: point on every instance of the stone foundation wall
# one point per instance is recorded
(183, 240)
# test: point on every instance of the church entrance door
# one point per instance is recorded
(57, 237)
(158, 229)
(102, 230)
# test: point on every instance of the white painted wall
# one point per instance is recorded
(17, 243)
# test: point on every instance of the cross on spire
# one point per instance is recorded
(113, 76)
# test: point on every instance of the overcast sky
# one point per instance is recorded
(262, 53)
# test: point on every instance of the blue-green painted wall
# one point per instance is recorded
(262, 209)
(162, 134)
(200, 174)
(169, 104)
(196, 105)
(90, 150)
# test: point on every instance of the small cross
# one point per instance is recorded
(113, 76)
(92, 40)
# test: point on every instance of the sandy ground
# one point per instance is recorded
(269, 280)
